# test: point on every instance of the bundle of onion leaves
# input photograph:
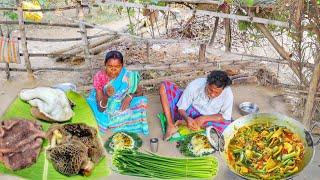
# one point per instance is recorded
(150, 165)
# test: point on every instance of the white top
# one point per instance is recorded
(195, 95)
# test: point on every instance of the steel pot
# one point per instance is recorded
(222, 140)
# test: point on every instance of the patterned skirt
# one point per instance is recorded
(133, 119)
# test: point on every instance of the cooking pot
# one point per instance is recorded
(221, 141)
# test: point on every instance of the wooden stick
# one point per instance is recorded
(275, 44)
(216, 23)
(227, 28)
(148, 51)
(192, 1)
(198, 12)
(62, 39)
(7, 67)
(176, 77)
(42, 24)
(227, 43)
(101, 48)
(202, 53)
(38, 10)
(83, 32)
(7, 70)
(75, 49)
(47, 69)
(282, 52)
(24, 39)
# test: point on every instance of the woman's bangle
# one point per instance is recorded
(129, 96)
(100, 104)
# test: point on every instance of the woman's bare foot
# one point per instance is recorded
(170, 131)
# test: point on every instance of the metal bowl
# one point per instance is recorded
(66, 87)
(248, 108)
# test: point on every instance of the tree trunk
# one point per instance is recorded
(24, 39)
(282, 52)
(311, 96)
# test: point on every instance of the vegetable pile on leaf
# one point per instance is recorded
(264, 151)
(196, 145)
(123, 140)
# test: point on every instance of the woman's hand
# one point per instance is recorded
(110, 91)
(192, 124)
(101, 100)
(102, 104)
(125, 103)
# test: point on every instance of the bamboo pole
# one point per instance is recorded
(62, 39)
(83, 32)
(38, 10)
(311, 96)
(24, 39)
(192, 1)
(198, 12)
(46, 69)
(42, 24)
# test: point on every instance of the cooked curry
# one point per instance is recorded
(264, 151)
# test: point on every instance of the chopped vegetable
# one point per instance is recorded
(196, 145)
(274, 153)
(123, 140)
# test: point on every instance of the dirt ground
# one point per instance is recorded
(269, 100)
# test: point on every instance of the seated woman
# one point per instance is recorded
(116, 99)
(205, 100)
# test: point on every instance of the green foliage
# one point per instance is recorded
(244, 25)
(11, 15)
(249, 3)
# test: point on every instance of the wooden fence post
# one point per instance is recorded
(148, 51)
(202, 53)
(227, 43)
(7, 68)
(83, 32)
(307, 115)
(24, 39)
(213, 35)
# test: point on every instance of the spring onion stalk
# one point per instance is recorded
(150, 165)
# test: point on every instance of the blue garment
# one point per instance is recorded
(133, 119)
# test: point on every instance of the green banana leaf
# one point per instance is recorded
(43, 169)
(182, 133)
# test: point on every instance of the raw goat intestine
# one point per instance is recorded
(53, 103)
